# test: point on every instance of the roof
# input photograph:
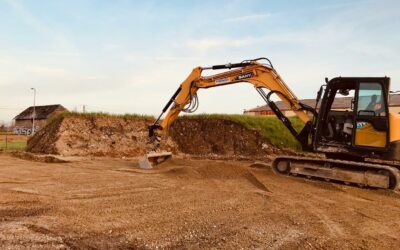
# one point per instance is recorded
(42, 112)
(339, 103)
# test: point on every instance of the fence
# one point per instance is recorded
(12, 142)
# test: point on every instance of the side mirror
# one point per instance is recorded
(319, 94)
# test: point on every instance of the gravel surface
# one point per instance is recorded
(110, 204)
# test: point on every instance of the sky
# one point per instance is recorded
(130, 56)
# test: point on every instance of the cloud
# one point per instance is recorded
(246, 18)
(49, 53)
(135, 57)
(216, 42)
(111, 46)
(36, 24)
(42, 71)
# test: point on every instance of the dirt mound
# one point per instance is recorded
(219, 137)
(98, 136)
(113, 136)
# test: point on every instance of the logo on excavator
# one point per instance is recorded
(223, 80)
(244, 76)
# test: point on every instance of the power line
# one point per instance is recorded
(11, 108)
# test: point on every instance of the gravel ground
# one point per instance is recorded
(110, 204)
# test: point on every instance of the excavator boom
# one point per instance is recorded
(262, 76)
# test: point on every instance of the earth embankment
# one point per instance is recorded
(120, 136)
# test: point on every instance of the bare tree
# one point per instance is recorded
(3, 127)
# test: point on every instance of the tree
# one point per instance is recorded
(3, 127)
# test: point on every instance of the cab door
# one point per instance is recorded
(371, 123)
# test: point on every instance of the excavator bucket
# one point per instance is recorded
(152, 159)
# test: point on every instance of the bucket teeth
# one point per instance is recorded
(152, 159)
(144, 163)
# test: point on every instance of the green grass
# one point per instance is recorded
(13, 146)
(97, 115)
(270, 127)
(5, 133)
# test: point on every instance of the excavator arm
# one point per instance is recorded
(262, 76)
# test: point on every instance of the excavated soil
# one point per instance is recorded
(97, 136)
(208, 137)
(107, 203)
(111, 136)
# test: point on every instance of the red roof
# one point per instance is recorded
(339, 103)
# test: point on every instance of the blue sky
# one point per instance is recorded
(130, 56)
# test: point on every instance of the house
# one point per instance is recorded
(342, 103)
(23, 121)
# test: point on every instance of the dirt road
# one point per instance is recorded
(108, 203)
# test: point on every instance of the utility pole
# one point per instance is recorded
(34, 110)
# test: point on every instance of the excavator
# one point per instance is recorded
(361, 144)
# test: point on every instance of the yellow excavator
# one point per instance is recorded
(361, 143)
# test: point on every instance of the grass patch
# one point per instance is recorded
(270, 128)
(13, 145)
(98, 115)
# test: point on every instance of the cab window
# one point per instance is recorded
(370, 100)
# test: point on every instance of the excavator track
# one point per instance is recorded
(363, 174)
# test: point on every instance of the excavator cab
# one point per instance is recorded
(354, 117)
